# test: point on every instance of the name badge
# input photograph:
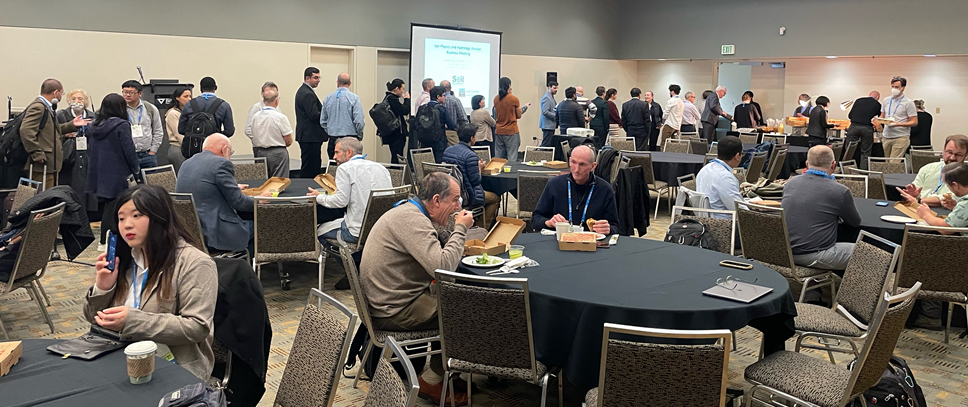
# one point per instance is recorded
(81, 143)
(136, 131)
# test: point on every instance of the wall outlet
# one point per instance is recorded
(937, 110)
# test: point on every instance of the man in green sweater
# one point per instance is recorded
(402, 252)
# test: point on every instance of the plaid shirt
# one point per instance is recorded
(455, 109)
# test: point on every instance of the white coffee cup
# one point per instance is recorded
(562, 227)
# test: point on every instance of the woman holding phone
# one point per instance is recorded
(160, 287)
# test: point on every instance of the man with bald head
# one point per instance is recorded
(577, 197)
(861, 129)
(455, 109)
(342, 114)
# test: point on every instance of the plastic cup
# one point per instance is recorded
(507, 168)
(515, 251)
(562, 227)
(141, 361)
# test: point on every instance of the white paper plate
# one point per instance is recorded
(599, 236)
(535, 164)
(472, 261)
(898, 219)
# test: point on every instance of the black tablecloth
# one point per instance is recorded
(871, 221)
(669, 166)
(894, 181)
(45, 378)
(637, 282)
(508, 181)
(298, 187)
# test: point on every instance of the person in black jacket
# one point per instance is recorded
(74, 170)
(309, 134)
(655, 114)
(577, 197)
(636, 119)
(920, 134)
(745, 114)
(570, 113)
(599, 123)
(397, 141)
(756, 106)
(817, 128)
(111, 156)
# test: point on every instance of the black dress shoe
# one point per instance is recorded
(343, 284)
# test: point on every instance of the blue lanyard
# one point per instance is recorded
(820, 173)
(49, 106)
(940, 181)
(206, 95)
(361, 157)
(587, 201)
(141, 109)
(134, 285)
(727, 167)
(891, 103)
(268, 108)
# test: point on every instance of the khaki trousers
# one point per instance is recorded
(896, 147)
(452, 138)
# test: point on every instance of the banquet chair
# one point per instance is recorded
(749, 138)
(856, 184)
(644, 159)
(688, 181)
(713, 148)
(867, 278)
(618, 163)
(838, 148)
(723, 230)
(938, 262)
(250, 168)
(26, 189)
(887, 165)
(698, 146)
(532, 153)
(483, 153)
(849, 151)
(565, 149)
(285, 230)
(417, 156)
(331, 167)
(408, 176)
(397, 173)
(803, 380)
(475, 316)
(184, 205)
(378, 337)
(709, 157)
(740, 174)
(876, 187)
(764, 237)
(36, 244)
(688, 135)
(777, 161)
(322, 341)
(676, 146)
(920, 158)
(622, 143)
(847, 167)
(692, 375)
(926, 147)
(776, 138)
(531, 185)
(755, 168)
(163, 176)
(388, 388)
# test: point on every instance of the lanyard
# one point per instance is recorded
(415, 202)
(141, 110)
(134, 285)
(587, 201)
(359, 157)
(206, 95)
(891, 103)
(49, 106)
(940, 181)
(820, 173)
(723, 164)
(268, 108)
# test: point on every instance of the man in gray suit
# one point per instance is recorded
(210, 177)
(711, 113)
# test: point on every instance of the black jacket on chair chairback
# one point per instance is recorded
(74, 227)
(632, 199)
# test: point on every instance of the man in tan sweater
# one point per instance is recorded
(399, 259)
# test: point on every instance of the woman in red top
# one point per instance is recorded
(614, 120)
(507, 111)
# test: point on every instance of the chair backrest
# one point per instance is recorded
(388, 389)
(849, 151)
(641, 159)
(867, 277)
(688, 181)
(838, 149)
(420, 155)
(676, 146)
(185, 209)
(37, 243)
(566, 149)
(318, 351)
(755, 168)
(252, 168)
(776, 138)
(532, 153)
(285, 225)
(26, 189)
(474, 316)
(926, 147)
(353, 276)
(688, 135)
(888, 322)
(622, 143)
(857, 184)
(698, 146)
(483, 152)
(876, 187)
(643, 371)
(397, 173)
(847, 166)
(163, 176)
(920, 158)
(776, 164)
(763, 234)
(887, 165)
(380, 201)
(749, 138)
(723, 230)
(713, 148)
(616, 164)
(708, 157)
(937, 261)
(531, 184)
(331, 167)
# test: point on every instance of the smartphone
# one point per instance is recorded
(882, 203)
(112, 246)
(736, 265)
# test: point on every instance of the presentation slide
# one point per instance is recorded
(469, 59)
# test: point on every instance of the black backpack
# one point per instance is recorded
(690, 232)
(383, 117)
(896, 388)
(201, 124)
(426, 125)
(194, 395)
(11, 146)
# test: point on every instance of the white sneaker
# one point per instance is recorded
(101, 247)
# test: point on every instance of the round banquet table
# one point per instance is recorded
(636, 282)
(669, 166)
(42, 377)
(503, 182)
(894, 181)
(298, 187)
(870, 215)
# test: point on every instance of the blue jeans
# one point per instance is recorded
(250, 226)
(347, 236)
(145, 161)
(547, 137)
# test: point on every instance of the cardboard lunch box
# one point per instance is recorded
(589, 245)
(910, 211)
(277, 183)
(498, 240)
(10, 353)
(494, 166)
(557, 165)
(328, 182)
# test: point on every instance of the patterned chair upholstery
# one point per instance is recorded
(285, 230)
(184, 205)
(622, 143)
(942, 276)
(888, 165)
(163, 176)
(255, 168)
(418, 156)
(566, 149)
(764, 238)
(638, 371)
(539, 154)
(388, 388)
(698, 146)
(318, 351)
(876, 187)
(483, 153)
(676, 146)
(331, 166)
(921, 158)
(531, 185)
(397, 172)
(838, 148)
(865, 282)
(720, 229)
(823, 384)
(847, 167)
(755, 168)
(777, 161)
(31, 262)
(749, 138)
(849, 151)
(475, 318)
(856, 184)
(26, 189)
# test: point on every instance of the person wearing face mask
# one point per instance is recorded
(44, 144)
(899, 108)
(399, 259)
(818, 126)
(74, 170)
(578, 196)
(399, 100)
(803, 110)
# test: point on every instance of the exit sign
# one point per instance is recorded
(729, 49)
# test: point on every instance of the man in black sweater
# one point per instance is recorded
(309, 134)
(861, 129)
(636, 120)
(578, 196)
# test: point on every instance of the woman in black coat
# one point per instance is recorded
(921, 134)
(111, 155)
(397, 141)
(74, 171)
(817, 128)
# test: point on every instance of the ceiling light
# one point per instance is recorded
(929, 55)
(831, 57)
(662, 59)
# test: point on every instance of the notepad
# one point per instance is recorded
(742, 292)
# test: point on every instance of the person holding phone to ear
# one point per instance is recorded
(162, 287)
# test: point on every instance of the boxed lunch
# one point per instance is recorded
(557, 165)
(10, 353)
(910, 210)
(494, 166)
(328, 182)
(578, 242)
(276, 184)
(497, 241)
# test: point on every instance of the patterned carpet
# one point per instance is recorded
(940, 369)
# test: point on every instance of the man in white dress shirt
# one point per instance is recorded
(271, 134)
(257, 107)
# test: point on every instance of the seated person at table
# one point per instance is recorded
(929, 176)
(716, 179)
(470, 166)
(163, 288)
(399, 260)
(814, 204)
(956, 179)
(578, 196)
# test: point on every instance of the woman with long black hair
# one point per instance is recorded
(162, 287)
(397, 141)
(178, 99)
(111, 155)
(507, 109)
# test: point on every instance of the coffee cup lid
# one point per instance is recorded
(140, 348)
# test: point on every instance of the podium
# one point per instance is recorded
(158, 92)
